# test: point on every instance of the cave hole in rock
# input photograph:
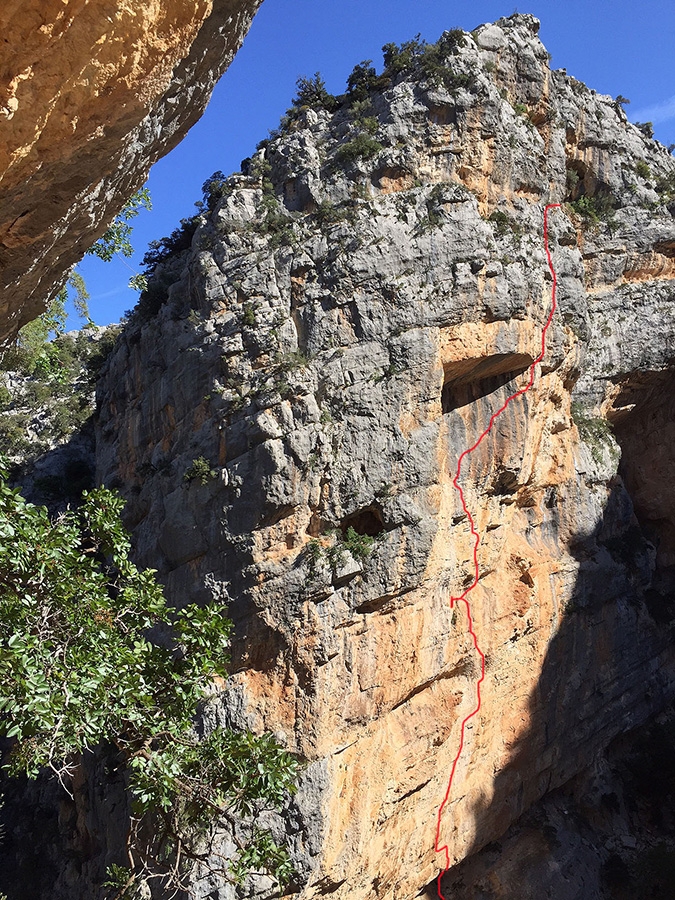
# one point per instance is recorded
(467, 380)
(643, 419)
(577, 176)
(364, 521)
(582, 181)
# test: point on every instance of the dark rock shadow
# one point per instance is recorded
(57, 478)
(609, 669)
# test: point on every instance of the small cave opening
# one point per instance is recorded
(581, 181)
(576, 181)
(643, 419)
(366, 521)
(467, 380)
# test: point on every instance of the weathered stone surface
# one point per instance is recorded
(331, 363)
(91, 94)
(608, 834)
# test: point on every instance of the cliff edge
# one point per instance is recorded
(285, 410)
(91, 95)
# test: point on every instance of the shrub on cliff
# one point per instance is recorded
(594, 209)
(429, 61)
(50, 391)
(312, 92)
(362, 146)
(92, 656)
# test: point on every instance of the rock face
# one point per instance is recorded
(348, 318)
(91, 94)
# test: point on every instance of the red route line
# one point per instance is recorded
(462, 597)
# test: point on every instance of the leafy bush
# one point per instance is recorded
(643, 170)
(180, 239)
(314, 553)
(594, 209)
(213, 190)
(363, 146)
(54, 394)
(503, 223)
(200, 471)
(434, 215)
(359, 545)
(312, 92)
(402, 58)
(328, 213)
(647, 128)
(275, 222)
(248, 315)
(91, 655)
(666, 187)
(429, 60)
(363, 80)
(594, 431)
(289, 361)
(116, 238)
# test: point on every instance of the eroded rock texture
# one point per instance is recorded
(341, 329)
(91, 94)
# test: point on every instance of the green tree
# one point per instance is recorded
(32, 349)
(312, 92)
(91, 656)
(117, 237)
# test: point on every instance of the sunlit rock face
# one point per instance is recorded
(342, 327)
(91, 95)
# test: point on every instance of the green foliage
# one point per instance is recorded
(76, 667)
(56, 382)
(594, 431)
(120, 881)
(643, 170)
(647, 128)
(292, 359)
(312, 92)
(91, 655)
(362, 146)
(138, 282)
(363, 80)
(666, 187)
(401, 58)
(275, 222)
(359, 545)
(200, 471)
(213, 190)
(248, 315)
(429, 61)
(180, 239)
(572, 180)
(116, 238)
(32, 349)
(595, 209)
(313, 553)
(504, 224)
(335, 555)
(263, 855)
(261, 168)
(434, 215)
(328, 213)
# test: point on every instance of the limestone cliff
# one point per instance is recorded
(351, 311)
(91, 94)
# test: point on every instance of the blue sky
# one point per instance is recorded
(615, 47)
